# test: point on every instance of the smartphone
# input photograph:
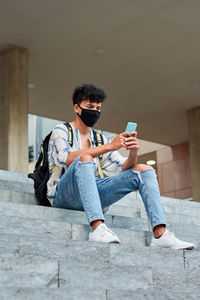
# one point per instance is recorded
(131, 127)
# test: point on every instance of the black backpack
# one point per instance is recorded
(41, 173)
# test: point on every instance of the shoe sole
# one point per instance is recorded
(115, 242)
(187, 248)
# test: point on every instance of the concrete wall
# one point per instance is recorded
(173, 169)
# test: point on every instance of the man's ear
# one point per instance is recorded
(76, 108)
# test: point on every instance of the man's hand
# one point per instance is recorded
(132, 143)
(127, 141)
(119, 141)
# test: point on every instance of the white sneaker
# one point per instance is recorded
(103, 234)
(168, 240)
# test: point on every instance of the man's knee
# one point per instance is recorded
(141, 167)
(86, 157)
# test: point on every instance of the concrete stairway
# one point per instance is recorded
(44, 252)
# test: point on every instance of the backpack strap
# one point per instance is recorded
(70, 131)
(98, 142)
(44, 151)
(98, 139)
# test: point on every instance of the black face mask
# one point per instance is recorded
(89, 116)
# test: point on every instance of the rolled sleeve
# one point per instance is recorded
(60, 146)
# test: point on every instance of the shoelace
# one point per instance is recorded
(104, 228)
(171, 233)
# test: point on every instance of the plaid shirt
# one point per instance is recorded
(59, 149)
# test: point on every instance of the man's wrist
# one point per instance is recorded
(133, 157)
(109, 147)
(133, 153)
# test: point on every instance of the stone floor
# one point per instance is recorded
(44, 252)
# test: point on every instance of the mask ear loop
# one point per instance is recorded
(80, 108)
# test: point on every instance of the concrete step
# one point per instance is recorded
(88, 252)
(18, 187)
(9, 245)
(77, 294)
(53, 274)
(61, 215)
(118, 216)
(84, 252)
(16, 182)
(180, 279)
(130, 204)
(18, 272)
(119, 210)
(135, 198)
(132, 200)
(42, 215)
(183, 207)
(20, 182)
(17, 196)
(52, 294)
(44, 252)
(185, 229)
(80, 255)
(169, 294)
(61, 230)
(49, 245)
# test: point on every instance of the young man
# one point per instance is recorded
(80, 187)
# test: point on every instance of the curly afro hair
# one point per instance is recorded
(88, 92)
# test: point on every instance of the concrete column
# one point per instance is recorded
(14, 109)
(194, 142)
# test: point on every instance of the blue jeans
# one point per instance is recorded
(79, 189)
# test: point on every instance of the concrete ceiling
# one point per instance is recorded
(144, 53)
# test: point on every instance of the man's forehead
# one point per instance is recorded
(92, 103)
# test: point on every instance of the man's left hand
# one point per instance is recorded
(132, 143)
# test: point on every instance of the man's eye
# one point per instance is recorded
(89, 107)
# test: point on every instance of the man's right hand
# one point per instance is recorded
(119, 141)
